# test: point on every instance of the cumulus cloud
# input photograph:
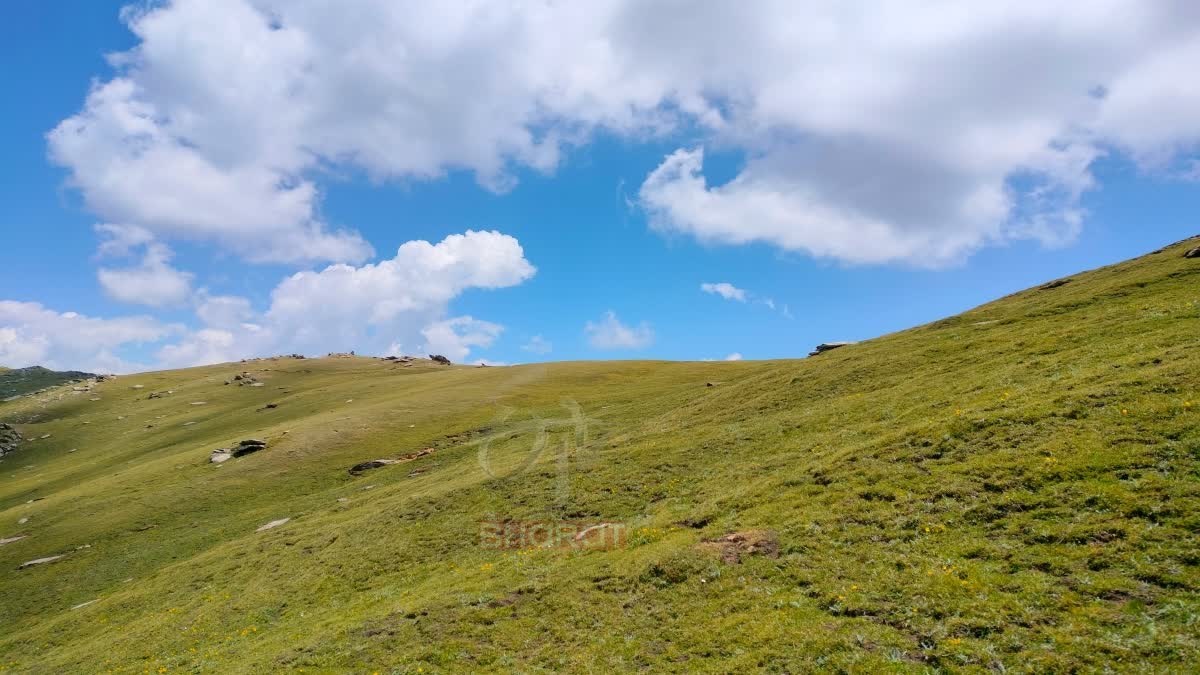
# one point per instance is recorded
(394, 306)
(455, 337)
(736, 356)
(913, 132)
(725, 290)
(538, 345)
(31, 334)
(153, 282)
(383, 307)
(609, 334)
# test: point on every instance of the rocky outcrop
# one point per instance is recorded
(1193, 253)
(359, 468)
(273, 524)
(245, 447)
(10, 438)
(827, 346)
(438, 358)
(39, 561)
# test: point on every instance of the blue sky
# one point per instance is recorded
(158, 226)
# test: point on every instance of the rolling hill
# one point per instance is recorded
(21, 381)
(1014, 488)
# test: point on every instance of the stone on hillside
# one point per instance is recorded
(9, 540)
(1193, 253)
(827, 346)
(39, 561)
(273, 523)
(438, 358)
(10, 438)
(248, 446)
(357, 469)
(1058, 283)
(220, 455)
(138, 386)
(257, 384)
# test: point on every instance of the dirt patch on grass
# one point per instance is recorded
(732, 547)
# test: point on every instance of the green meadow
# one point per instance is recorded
(1013, 489)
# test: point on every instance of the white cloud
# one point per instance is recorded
(736, 356)
(610, 333)
(725, 290)
(453, 338)
(153, 282)
(373, 309)
(31, 334)
(538, 345)
(913, 132)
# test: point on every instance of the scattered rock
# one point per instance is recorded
(732, 547)
(273, 523)
(198, 403)
(269, 406)
(161, 394)
(438, 358)
(359, 468)
(1193, 253)
(39, 561)
(138, 386)
(9, 540)
(220, 455)
(1058, 283)
(343, 500)
(23, 520)
(85, 604)
(709, 384)
(257, 384)
(10, 438)
(188, 424)
(248, 446)
(828, 346)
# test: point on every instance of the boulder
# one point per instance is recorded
(10, 438)
(1193, 253)
(273, 524)
(39, 561)
(248, 446)
(827, 346)
(438, 358)
(243, 448)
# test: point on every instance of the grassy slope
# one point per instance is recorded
(1016, 486)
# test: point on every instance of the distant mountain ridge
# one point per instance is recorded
(21, 381)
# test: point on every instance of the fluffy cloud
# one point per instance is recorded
(400, 304)
(538, 345)
(912, 132)
(393, 306)
(153, 282)
(454, 338)
(725, 290)
(609, 333)
(31, 334)
(736, 356)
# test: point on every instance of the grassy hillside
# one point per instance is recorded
(21, 381)
(1013, 488)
